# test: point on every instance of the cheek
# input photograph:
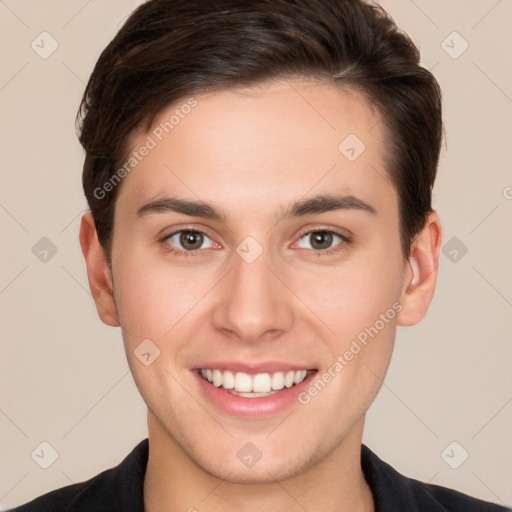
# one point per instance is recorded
(354, 297)
(152, 298)
(155, 304)
(360, 303)
(361, 310)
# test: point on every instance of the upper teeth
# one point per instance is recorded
(259, 383)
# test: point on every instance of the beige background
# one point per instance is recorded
(63, 374)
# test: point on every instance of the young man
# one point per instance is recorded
(259, 174)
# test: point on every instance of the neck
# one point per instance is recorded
(174, 482)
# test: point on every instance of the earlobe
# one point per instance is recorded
(421, 278)
(98, 272)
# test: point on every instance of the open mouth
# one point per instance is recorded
(253, 386)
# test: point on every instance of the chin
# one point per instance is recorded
(244, 463)
(263, 472)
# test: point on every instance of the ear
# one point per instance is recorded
(421, 274)
(98, 272)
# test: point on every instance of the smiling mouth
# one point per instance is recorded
(253, 386)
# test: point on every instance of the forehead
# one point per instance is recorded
(274, 142)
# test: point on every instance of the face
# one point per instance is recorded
(288, 282)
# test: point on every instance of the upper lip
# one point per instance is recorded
(253, 368)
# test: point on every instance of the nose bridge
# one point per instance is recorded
(253, 301)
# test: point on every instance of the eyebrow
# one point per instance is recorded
(314, 205)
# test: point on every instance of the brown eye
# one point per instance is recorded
(189, 240)
(320, 240)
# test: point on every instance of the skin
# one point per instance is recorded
(252, 152)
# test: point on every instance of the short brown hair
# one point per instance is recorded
(170, 49)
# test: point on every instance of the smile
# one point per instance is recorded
(253, 386)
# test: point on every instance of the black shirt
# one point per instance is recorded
(120, 489)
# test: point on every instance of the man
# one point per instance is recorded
(259, 175)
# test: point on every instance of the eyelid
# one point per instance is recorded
(165, 234)
(345, 234)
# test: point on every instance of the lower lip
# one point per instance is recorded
(252, 407)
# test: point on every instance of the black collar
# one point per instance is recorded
(121, 488)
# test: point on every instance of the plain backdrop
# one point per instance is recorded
(64, 379)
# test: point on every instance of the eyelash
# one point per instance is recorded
(345, 241)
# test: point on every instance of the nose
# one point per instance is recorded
(255, 304)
